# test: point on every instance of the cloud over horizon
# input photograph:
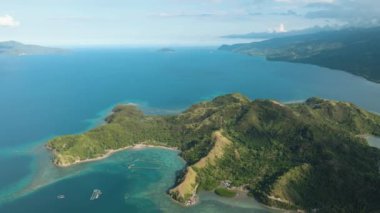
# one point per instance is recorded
(168, 21)
(8, 21)
(352, 12)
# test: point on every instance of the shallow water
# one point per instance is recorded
(45, 96)
(374, 141)
(134, 180)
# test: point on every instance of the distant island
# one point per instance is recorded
(310, 155)
(356, 50)
(13, 48)
(166, 49)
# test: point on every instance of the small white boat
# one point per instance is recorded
(60, 196)
(95, 194)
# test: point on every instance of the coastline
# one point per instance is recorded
(113, 151)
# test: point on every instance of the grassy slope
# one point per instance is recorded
(188, 186)
(354, 50)
(303, 155)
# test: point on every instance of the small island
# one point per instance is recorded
(166, 50)
(292, 156)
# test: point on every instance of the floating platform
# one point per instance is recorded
(95, 194)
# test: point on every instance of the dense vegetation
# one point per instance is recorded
(127, 126)
(305, 155)
(223, 192)
(353, 50)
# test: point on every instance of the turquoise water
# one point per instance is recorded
(140, 188)
(45, 96)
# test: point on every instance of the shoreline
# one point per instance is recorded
(109, 153)
(242, 195)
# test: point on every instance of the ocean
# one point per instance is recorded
(45, 96)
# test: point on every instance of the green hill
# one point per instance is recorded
(295, 156)
(353, 50)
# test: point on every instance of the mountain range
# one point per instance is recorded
(355, 50)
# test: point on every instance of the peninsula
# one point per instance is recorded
(353, 50)
(293, 156)
(14, 48)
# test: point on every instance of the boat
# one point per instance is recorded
(60, 196)
(95, 194)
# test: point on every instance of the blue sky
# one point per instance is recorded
(169, 22)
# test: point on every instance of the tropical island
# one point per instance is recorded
(310, 155)
(14, 48)
(354, 50)
(166, 50)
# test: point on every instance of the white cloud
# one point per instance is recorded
(197, 14)
(281, 29)
(306, 1)
(353, 12)
(8, 21)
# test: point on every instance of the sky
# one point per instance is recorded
(170, 22)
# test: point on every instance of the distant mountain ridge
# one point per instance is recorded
(355, 50)
(274, 34)
(15, 48)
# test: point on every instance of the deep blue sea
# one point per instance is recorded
(45, 96)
